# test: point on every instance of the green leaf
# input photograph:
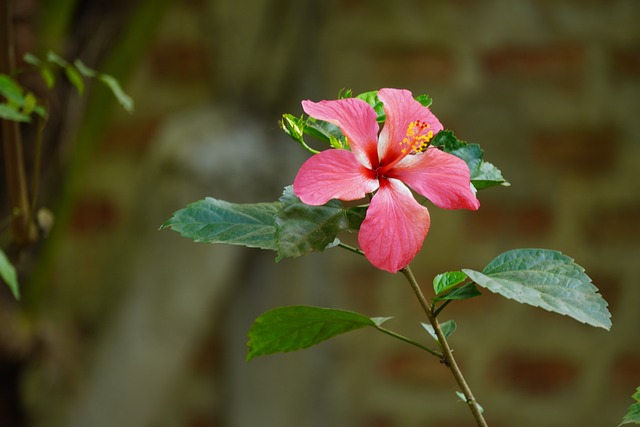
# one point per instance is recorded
(445, 281)
(424, 100)
(483, 174)
(372, 99)
(324, 131)
(83, 69)
(448, 328)
(464, 292)
(48, 77)
(547, 279)
(633, 413)
(30, 58)
(75, 78)
(216, 221)
(54, 58)
(8, 112)
(302, 228)
(287, 329)
(8, 275)
(124, 99)
(11, 90)
(464, 399)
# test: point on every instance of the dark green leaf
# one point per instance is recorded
(633, 413)
(547, 279)
(216, 221)
(302, 228)
(8, 275)
(464, 292)
(294, 328)
(323, 131)
(483, 174)
(445, 281)
(448, 328)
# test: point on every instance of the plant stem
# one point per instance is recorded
(448, 358)
(22, 228)
(409, 341)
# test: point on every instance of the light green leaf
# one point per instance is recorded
(448, 328)
(547, 279)
(302, 228)
(124, 99)
(464, 399)
(11, 90)
(633, 413)
(8, 275)
(287, 329)
(8, 112)
(48, 77)
(445, 281)
(75, 78)
(30, 58)
(83, 69)
(216, 221)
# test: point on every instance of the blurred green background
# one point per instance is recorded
(125, 325)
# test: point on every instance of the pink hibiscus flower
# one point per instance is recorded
(395, 225)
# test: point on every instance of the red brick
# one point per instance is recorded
(557, 62)
(526, 219)
(625, 375)
(414, 63)
(133, 137)
(416, 369)
(533, 375)
(626, 63)
(614, 225)
(585, 151)
(179, 61)
(94, 213)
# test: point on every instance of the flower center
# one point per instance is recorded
(417, 138)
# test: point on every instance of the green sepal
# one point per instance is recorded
(547, 279)
(286, 329)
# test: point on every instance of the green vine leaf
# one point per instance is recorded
(633, 413)
(448, 328)
(8, 275)
(293, 328)
(302, 229)
(546, 279)
(216, 221)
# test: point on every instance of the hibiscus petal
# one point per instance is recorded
(401, 109)
(441, 177)
(333, 174)
(356, 119)
(394, 228)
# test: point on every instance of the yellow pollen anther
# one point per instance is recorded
(417, 137)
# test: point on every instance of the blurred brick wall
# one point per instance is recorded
(551, 91)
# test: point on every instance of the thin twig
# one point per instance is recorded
(449, 360)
